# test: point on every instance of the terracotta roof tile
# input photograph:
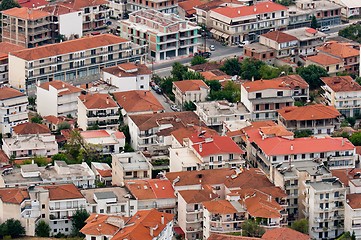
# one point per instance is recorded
(215, 75)
(189, 5)
(33, 3)
(341, 83)
(342, 50)
(261, 205)
(30, 128)
(54, 120)
(79, 4)
(151, 189)
(218, 236)
(210, 5)
(277, 131)
(62, 192)
(138, 101)
(197, 196)
(189, 131)
(215, 145)
(57, 9)
(279, 37)
(345, 175)
(6, 93)
(190, 85)
(64, 87)
(105, 173)
(99, 224)
(98, 101)
(26, 13)
(259, 85)
(220, 207)
(354, 200)
(128, 69)
(324, 59)
(6, 48)
(284, 234)
(14, 195)
(310, 112)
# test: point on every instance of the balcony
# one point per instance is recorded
(192, 230)
(101, 115)
(53, 217)
(356, 226)
(193, 211)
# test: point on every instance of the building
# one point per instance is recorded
(353, 214)
(127, 166)
(343, 93)
(318, 118)
(153, 193)
(97, 109)
(57, 98)
(332, 65)
(13, 109)
(260, 52)
(105, 141)
(349, 8)
(186, 9)
(164, 6)
(69, 60)
(5, 49)
(144, 224)
(166, 36)
(103, 172)
(118, 9)
(236, 24)
(203, 11)
(190, 91)
(128, 76)
(284, 45)
(53, 122)
(283, 233)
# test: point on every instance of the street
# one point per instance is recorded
(162, 100)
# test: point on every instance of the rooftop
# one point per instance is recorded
(283, 234)
(118, 192)
(8, 93)
(305, 33)
(132, 161)
(337, 49)
(80, 4)
(57, 9)
(215, 145)
(197, 196)
(324, 59)
(6, 48)
(138, 101)
(279, 37)
(309, 112)
(341, 83)
(63, 88)
(98, 101)
(189, 131)
(312, 168)
(14, 195)
(354, 200)
(188, 5)
(190, 85)
(222, 108)
(326, 184)
(347, 175)
(150, 189)
(220, 207)
(31, 128)
(99, 224)
(128, 70)
(26, 13)
(258, 48)
(219, 236)
(62, 192)
(215, 75)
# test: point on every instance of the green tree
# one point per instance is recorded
(166, 84)
(251, 229)
(78, 221)
(284, 2)
(356, 138)
(214, 85)
(93, 127)
(13, 228)
(60, 157)
(42, 229)
(178, 71)
(192, 76)
(40, 160)
(231, 67)
(189, 106)
(63, 125)
(300, 226)
(196, 60)
(303, 133)
(351, 121)
(231, 93)
(312, 75)
(37, 119)
(352, 32)
(250, 69)
(8, 4)
(269, 72)
(314, 23)
(125, 130)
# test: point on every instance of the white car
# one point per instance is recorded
(175, 108)
(212, 48)
(325, 29)
(242, 44)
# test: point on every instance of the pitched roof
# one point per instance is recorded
(293, 81)
(345, 175)
(243, 11)
(6, 93)
(189, 131)
(30, 128)
(33, 3)
(197, 196)
(138, 101)
(208, 66)
(79, 4)
(62, 192)
(6, 47)
(64, 87)
(150, 189)
(76, 45)
(259, 85)
(341, 83)
(57, 9)
(324, 59)
(189, 5)
(218, 236)
(284, 234)
(220, 207)
(26, 13)
(215, 75)
(262, 205)
(190, 85)
(128, 69)
(279, 37)
(338, 49)
(354, 200)
(278, 131)
(54, 120)
(14, 195)
(309, 112)
(98, 101)
(215, 145)
(100, 224)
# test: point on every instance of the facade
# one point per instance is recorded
(349, 8)
(5, 49)
(103, 172)
(106, 141)
(260, 52)
(186, 9)
(190, 91)
(166, 36)
(118, 9)
(284, 45)
(97, 109)
(57, 98)
(332, 65)
(353, 214)
(163, 6)
(128, 76)
(343, 93)
(13, 109)
(320, 119)
(57, 61)
(236, 24)
(127, 166)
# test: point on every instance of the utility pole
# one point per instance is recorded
(205, 38)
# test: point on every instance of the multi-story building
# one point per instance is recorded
(167, 36)
(285, 45)
(318, 118)
(325, 205)
(70, 59)
(5, 49)
(190, 91)
(186, 9)
(97, 109)
(203, 11)
(57, 98)
(163, 6)
(118, 9)
(332, 65)
(13, 109)
(105, 141)
(127, 166)
(260, 52)
(103, 172)
(343, 93)
(235, 24)
(349, 8)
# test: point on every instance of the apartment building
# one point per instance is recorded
(57, 98)
(203, 11)
(349, 8)
(128, 76)
(13, 109)
(325, 205)
(127, 166)
(70, 59)
(190, 91)
(117, 9)
(105, 141)
(5, 49)
(260, 52)
(97, 109)
(166, 36)
(103, 172)
(236, 24)
(163, 6)
(343, 93)
(318, 118)
(186, 9)
(284, 45)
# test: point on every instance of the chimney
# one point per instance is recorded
(239, 12)
(63, 85)
(200, 147)
(343, 142)
(291, 147)
(107, 100)
(255, 9)
(266, 5)
(162, 219)
(269, 198)
(151, 232)
(210, 195)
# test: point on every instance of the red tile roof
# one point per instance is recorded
(190, 85)
(215, 145)
(5, 48)
(80, 4)
(324, 59)
(277, 131)
(62, 192)
(95, 134)
(218, 236)
(128, 69)
(151, 189)
(338, 49)
(262, 205)
(7, 93)
(30, 128)
(310, 112)
(14, 195)
(189, 5)
(197, 196)
(105, 173)
(99, 224)
(285, 82)
(220, 207)
(345, 175)
(26, 13)
(33, 3)
(279, 37)
(65, 87)
(243, 11)
(98, 101)
(354, 200)
(215, 75)
(189, 131)
(284, 234)
(54, 120)
(69, 46)
(138, 101)
(57, 9)
(341, 83)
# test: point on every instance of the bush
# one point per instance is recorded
(13, 228)
(42, 229)
(198, 60)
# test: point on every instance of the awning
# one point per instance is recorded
(218, 33)
(224, 35)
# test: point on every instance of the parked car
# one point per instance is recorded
(203, 54)
(325, 29)
(175, 108)
(212, 48)
(157, 89)
(243, 43)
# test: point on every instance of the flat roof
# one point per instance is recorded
(311, 167)
(326, 184)
(300, 34)
(118, 192)
(222, 108)
(137, 161)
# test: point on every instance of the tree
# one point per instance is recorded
(231, 67)
(36, 119)
(125, 130)
(230, 92)
(300, 226)
(178, 71)
(303, 133)
(356, 138)
(166, 84)
(13, 228)
(250, 69)
(214, 85)
(196, 60)
(192, 76)
(352, 32)
(63, 125)
(314, 23)
(189, 106)
(312, 75)
(269, 72)
(78, 221)
(40, 160)
(8, 4)
(251, 229)
(42, 229)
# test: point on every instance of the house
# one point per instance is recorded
(128, 76)
(57, 98)
(103, 172)
(332, 65)
(53, 122)
(164, 6)
(343, 93)
(236, 24)
(153, 193)
(318, 118)
(131, 165)
(349, 8)
(97, 109)
(216, 75)
(57, 61)
(284, 44)
(144, 224)
(190, 91)
(106, 141)
(205, 67)
(260, 52)
(13, 109)
(203, 11)
(186, 9)
(5, 49)
(353, 213)
(169, 36)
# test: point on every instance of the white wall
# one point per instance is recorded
(71, 23)
(138, 82)
(47, 101)
(16, 72)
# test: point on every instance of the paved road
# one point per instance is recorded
(162, 100)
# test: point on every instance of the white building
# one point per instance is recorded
(57, 98)
(13, 109)
(128, 76)
(190, 91)
(349, 8)
(102, 171)
(105, 141)
(353, 213)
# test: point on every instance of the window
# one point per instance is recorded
(56, 230)
(286, 158)
(258, 95)
(279, 93)
(274, 158)
(101, 210)
(230, 156)
(266, 106)
(211, 159)
(43, 215)
(128, 173)
(41, 61)
(321, 205)
(66, 221)
(327, 195)
(42, 70)
(43, 206)
(110, 57)
(312, 155)
(93, 238)
(303, 156)
(93, 60)
(92, 52)
(66, 229)
(219, 158)
(321, 196)
(110, 48)
(337, 194)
